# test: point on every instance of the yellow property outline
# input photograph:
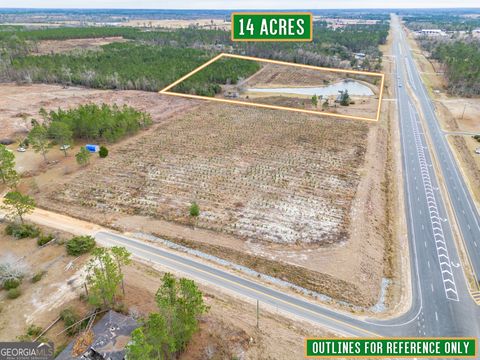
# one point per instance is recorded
(275, 107)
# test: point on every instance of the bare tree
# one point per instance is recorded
(12, 267)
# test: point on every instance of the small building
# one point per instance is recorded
(432, 32)
(111, 335)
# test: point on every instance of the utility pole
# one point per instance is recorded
(464, 107)
(258, 312)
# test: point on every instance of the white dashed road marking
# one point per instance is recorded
(435, 220)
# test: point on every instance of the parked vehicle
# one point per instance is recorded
(21, 149)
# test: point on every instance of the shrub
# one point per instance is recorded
(38, 276)
(11, 284)
(69, 317)
(103, 153)
(14, 293)
(44, 239)
(21, 231)
(194, 209)
(80, 245)
(34, 331)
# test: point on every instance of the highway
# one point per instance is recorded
(442, 305)
(441, 302)
(466, 213)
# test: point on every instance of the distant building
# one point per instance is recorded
(476, 32)
(432, 32)
(111, 335)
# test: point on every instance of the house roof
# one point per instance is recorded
(111, 335)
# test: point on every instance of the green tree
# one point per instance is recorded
(18, 204)
(168, 332)
(61, 134)
(79, 245)
(103, 153)
(314, 101)
(7, 167)
(105, 275)
(194, 210)
(122, 257)
(344, 98)
(139, 348)
(83, 156)
(38, 138)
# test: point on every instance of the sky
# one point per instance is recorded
(237, 4)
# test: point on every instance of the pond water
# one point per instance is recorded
(353, 87)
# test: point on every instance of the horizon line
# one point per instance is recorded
(232, 9)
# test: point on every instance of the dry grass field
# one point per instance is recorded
(364, 106)
(281, 194)
(47, 47)
(19, 104)
(260, 175)
(291, 195)
(276, 75)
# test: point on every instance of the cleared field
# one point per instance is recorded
(261, 175)
(179, 23)
(364, 105)
(273, 75)
(47, 47)
(18, 104)
(274, 188)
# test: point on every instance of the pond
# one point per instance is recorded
(353, 87)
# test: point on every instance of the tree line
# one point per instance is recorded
(118, 66)
(462, 66)
(223, 71)
(156, 58)
(461, 62)
(149, 68)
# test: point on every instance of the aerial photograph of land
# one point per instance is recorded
(168, 191)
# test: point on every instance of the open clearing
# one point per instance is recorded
(297, 193)
(179, 23)
(18, 104)
(47, 47)
(259, 175)
(39, 302)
